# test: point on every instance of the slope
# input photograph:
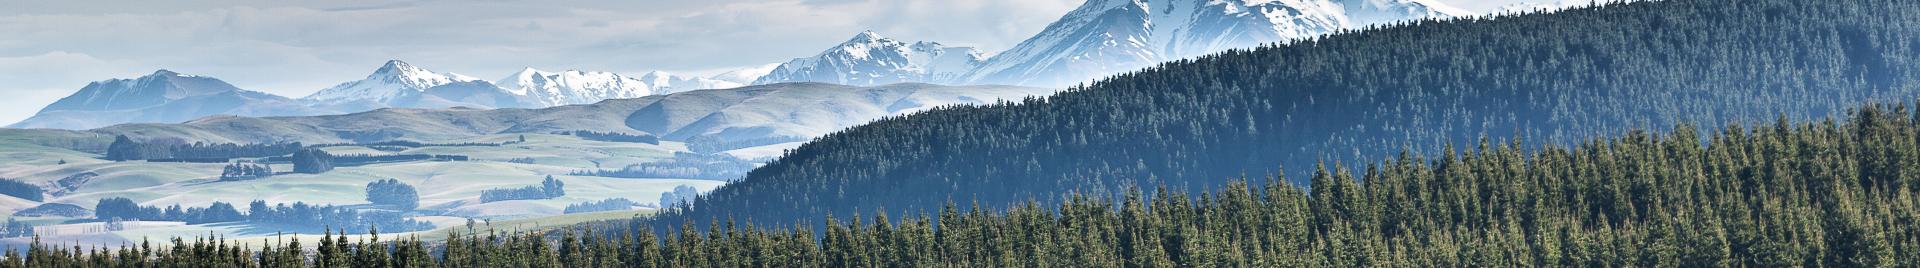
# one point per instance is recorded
(1356, 97)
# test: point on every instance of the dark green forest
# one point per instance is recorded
(1357, 97)
(1835, 194)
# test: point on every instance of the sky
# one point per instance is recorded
(49, 49)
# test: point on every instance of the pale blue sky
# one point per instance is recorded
(293, 48)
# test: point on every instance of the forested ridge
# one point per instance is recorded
(1357, 97)
(1831, 194)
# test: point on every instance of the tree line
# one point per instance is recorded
(124, 148)
(22, 190)
(122, 208)
(296, 214)
(611, 136)
(316, 161)
(610, 204)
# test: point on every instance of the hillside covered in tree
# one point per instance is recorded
(1827, 194)
(1356, 97)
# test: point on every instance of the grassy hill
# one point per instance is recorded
(778, 110)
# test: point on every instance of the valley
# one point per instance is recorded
(601, 151)
(448, 194)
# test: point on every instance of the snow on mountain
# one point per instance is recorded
(573, 87)
(1104, 37)
(746, 76)
(1370, 12)
(870, 59)
(396, 79)
(161, 97)
(667, 83)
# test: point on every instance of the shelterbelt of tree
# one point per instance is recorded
(1826, 194)
(1357, 97)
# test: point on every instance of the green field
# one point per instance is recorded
(449, 191)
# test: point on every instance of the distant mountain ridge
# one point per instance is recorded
(164, 96)
(169, 97)
(787, 110)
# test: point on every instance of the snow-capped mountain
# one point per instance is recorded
(162, 97)
(573, 87)
(395, 80)
(870, 59)
(1105, 37)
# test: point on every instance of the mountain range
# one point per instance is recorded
(1100, 38)
(780, 111)
(170, 97)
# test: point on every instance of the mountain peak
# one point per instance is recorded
(164, 72)
(393, 64)
(871, 59)
(399, 68)
(393, 80)
(868, 36)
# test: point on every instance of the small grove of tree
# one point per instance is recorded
(312, 161)
(610, 204)
(392, 192)
(22, 190)
(522, 160)
(245, 171)
(124, 148)
(548, 189)
(680, 196)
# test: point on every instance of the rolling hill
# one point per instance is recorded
(802, 110)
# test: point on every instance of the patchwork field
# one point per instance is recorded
(449, 191)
